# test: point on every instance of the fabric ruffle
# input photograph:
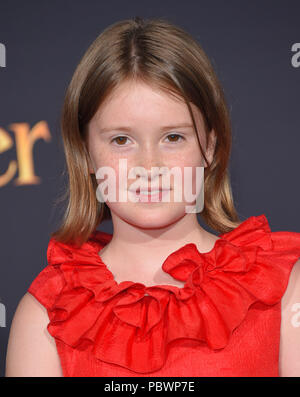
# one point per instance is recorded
(131, 325)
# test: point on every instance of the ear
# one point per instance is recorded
(211, 145)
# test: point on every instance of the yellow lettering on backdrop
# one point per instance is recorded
(25, 139)
(7, 143)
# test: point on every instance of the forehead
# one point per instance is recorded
(135, 102)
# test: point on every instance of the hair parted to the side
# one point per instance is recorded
(163, 55)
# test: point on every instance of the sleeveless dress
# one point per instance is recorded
(225, 320)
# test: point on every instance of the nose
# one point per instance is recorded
(149, 158)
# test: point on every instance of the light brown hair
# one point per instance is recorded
(159, 53)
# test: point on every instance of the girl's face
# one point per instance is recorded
(146, 128)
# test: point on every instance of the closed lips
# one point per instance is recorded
(149, 191)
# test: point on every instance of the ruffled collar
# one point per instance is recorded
(116, 322)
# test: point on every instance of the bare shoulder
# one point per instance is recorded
(31, 350)
(289, 354)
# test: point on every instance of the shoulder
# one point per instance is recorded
(31, 350)
(289, 358)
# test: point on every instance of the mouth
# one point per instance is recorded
(149, 192)
(154, 195)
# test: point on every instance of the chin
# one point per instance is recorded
(150, 218)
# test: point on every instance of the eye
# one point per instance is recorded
(175, 135)
(121, 140)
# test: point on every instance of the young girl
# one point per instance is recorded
(161, 296)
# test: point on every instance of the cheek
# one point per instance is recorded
(187, 164)
(106, 167)
(114, 178)
(191, 178)
(193, 170)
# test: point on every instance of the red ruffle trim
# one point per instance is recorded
(131, 325)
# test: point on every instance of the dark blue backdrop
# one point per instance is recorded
(250, 45)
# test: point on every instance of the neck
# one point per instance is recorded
(149, 247)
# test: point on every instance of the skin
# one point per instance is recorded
(145, 234)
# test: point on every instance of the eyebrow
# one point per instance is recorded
(128, 129)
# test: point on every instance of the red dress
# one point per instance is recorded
(225, 321)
